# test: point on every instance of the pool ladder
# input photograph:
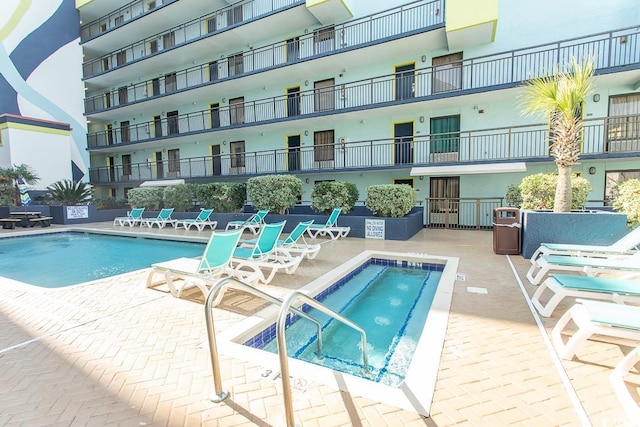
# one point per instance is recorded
(285, 307)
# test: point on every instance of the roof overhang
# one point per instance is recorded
(163, 183)
(448, 170)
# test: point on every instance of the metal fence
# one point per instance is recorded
(461, 213)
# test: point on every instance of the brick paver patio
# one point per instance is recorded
(116, 353)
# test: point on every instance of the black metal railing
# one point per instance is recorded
(604, 136)
(461, 213)
(120, 17)
(187, 32)
(472, 74)
(393, 23)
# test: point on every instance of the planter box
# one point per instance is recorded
(585, 228)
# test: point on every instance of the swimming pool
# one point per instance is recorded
(389, 300)
(426, 337)
(56, 260)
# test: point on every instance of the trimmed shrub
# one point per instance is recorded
(538, 191)
(274, 192)
(513, 196)
(222, 196)
(179, 197)
(326, 196)
(109, 203)
(627, 201)
(146, 197)
(390, 200)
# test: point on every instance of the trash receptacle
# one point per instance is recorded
(506, 231)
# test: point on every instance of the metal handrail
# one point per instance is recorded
(285, 307)
(282, 344)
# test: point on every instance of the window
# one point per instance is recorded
(323, 146)
(212, 25)
(213, 71)
(126, 165)
(447, 73)
(237, 154)
(124, 131)
(324, 40)
(323, 94)
(235, 64)
(168, 40)
(123, 95)
(151, 5)
(613, 178)
(444, 200)
(172, 122)
(445, 139)
(623, 125)
(121, 57)
(234, 15)
(170, 83)
(174, 161)
(119, 20)
(236, 110)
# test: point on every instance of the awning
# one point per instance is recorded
(162, 183)
(447, 170)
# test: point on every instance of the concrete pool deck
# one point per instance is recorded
(116, 353)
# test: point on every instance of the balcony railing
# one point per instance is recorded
(483, 73)
(605, 136)
(119, 17)
(393, 23)
(197, 28)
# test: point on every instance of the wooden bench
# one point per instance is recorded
(9, 223)
(44, 221)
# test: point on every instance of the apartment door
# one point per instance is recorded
(444, 200)
(216, 161)
(293, 49)
(111, 168)
(157, 157)
(445, 139)
(293, 101)
(157, 126)
(214, 115)
(293, 147)
(405, 81)
(109, 134)
(172, 123)
(403, 143)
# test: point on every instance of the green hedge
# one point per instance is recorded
(331, 194)
(627, 201)
(222, 196)
(390, 200)
(274, 192)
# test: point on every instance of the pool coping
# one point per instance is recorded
(416, 392)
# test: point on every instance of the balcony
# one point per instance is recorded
(612, 137)
(384, 26)
(185, 34)
(464, 77)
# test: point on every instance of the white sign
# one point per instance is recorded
(77, 212)
(374, 229)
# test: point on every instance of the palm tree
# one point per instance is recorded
(69, 192)
(11, 175)
(560, 98)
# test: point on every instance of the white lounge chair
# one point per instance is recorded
(200, 273)
(134, 217)
(330, 228)
(568, 285)
(261, 257)
(546, 263)
(294, 244)
(253, 223)
(624, 246)
(163, 218)
(596, 317)
(200, 222)
(623, 392)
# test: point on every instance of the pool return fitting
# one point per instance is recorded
(213, 299)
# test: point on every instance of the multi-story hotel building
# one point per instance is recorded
(419, 92)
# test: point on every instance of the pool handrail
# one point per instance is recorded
(282, 344)
(213, 300)
(285, 307)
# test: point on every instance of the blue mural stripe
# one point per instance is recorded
(60, 29)
(8, 98)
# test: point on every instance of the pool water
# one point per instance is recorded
(390, 303)
(62, 259)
